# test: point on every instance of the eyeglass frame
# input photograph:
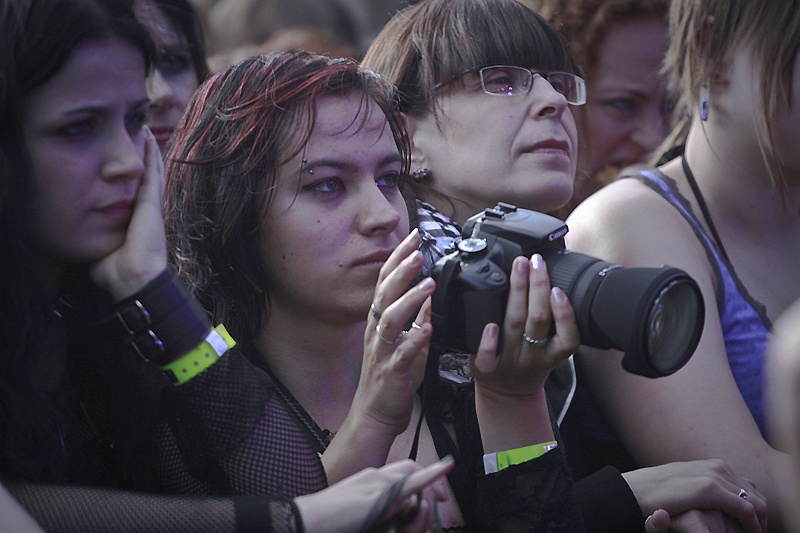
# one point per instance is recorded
(581, 83)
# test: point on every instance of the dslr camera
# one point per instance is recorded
(653, 315)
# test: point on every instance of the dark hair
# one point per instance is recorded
(240, 126)
(435, 41)
(185, 21)
(36, 40)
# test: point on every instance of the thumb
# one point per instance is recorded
(658, 522)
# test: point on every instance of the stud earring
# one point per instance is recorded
(420, 174)
(704, 104)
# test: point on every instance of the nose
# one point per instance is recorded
(375, 213)
(123, 158)
(545, 100)
(159, 91)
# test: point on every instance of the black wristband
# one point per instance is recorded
(161, 321)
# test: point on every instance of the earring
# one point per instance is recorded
(704, 104)
(420, 174)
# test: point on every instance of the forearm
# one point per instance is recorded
(357, 446)
(509, 422)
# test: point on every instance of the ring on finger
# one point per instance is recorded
(742, 494)
(532, 341)
(374, 310)
(385, 340)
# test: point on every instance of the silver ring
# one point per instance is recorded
(385, 340)
(374, 311)
(742, 494)
(533, 342)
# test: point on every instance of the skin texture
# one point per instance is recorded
(478, 136)
(760, 231)
(99, 184)
(627, 111)
(346, 208)
(518, 137)
(783, 367)
(367, 387)
(173, 80)
(88, 145)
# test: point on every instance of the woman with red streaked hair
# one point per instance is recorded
(85, 295)
(286, 218)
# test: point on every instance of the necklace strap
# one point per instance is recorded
(702, 203)
(318, 437)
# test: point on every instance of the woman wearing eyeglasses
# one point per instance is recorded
(487, 87)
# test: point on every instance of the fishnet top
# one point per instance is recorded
(234, 434)
(231, 453)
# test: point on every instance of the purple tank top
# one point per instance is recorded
(745, 324)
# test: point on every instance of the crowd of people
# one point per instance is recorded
(223, 225)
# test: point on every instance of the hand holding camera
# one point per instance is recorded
(654, 315)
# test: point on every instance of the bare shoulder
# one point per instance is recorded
(629, 223)
(618, 204)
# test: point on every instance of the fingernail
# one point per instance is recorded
(536, 261)
(493, 330)
(559, 295)
(521, 264)
(426, 284)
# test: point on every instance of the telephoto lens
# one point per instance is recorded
(654, 315)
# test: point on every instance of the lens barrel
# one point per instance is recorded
(654, 315)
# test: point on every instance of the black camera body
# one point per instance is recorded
(654, 315)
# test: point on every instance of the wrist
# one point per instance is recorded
(495, 462)
(162, 321)
(507, 423)
(198, 360)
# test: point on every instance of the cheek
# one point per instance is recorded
(185, 87)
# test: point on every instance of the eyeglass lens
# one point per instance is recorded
(513, 80)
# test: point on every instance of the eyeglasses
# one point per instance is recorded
(510, 80)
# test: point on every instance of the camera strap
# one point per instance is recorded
(429, 387)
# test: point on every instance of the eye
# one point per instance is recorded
(390, 180)
(621, 104)
(173, 62)
(326, 186)
(78, 129)
(135, 120)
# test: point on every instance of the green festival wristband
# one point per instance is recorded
(199, 359)
(495, 462)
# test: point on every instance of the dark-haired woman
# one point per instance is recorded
(286, 218)
(85, 296)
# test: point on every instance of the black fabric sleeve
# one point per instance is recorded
(61, 508)
(533, 496)
(607, 503)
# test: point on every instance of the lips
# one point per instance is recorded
(120, 210)
(162, 135)
(378, 257)
(550, 146)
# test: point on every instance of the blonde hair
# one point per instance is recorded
(704, 35)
